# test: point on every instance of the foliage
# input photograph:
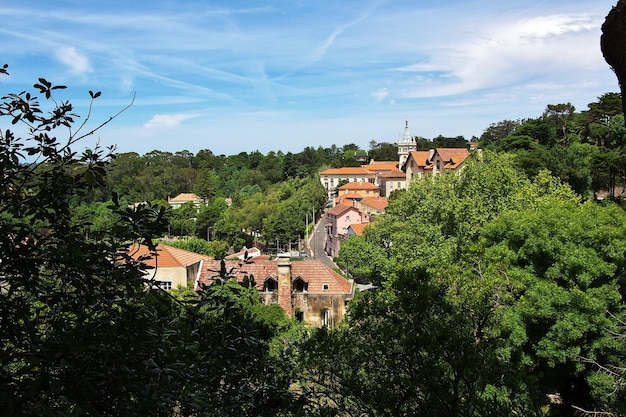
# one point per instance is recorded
(215, 249)
(505, 291)
(83, 328)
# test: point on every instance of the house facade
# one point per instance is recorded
(338, 219)
(332, 177)
(418, 164)
(448, 159)
(391, 181)
(306, 290)
(183, 198)
(359, 188)
(170, 267)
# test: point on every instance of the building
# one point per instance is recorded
(359, 188)
(418, 164)
(450, 159)
(356, 229)
(170, 267)
(332, 177)
(307, 290)
(406, 145)
(391, 181)
(338, 219)
(183, 198)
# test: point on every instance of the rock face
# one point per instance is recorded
(613, 44)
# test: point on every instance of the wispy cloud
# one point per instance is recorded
(169, 120)
(77, 62)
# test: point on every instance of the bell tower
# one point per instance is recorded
(405, 145)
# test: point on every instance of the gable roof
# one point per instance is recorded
(185, 198)
(166, 256)
(359, 185)
(379, 203)
(315, 273)
(340, 209)
(421, 158)
(396, 173)
(358, 228)
(452, 157)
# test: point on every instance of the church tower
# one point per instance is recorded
(405, 145)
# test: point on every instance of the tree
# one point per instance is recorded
(561, 115)
(84, 328)
(563, 262)
(613, 44)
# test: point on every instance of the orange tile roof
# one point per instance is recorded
(166, 256)
(396, 173)
(359, 185)
(315, 273)
(381, 166)
(358, 228)
(421, 158)
(452, 157)
(379, 203)
(346, 171)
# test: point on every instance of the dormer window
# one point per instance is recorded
(270, 285)
(300, 285)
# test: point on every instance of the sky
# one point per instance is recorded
(242, 76)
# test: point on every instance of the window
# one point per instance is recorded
(270, 285)
(325, 287)
(165, 285)
(325, 317)
(398, 184)
(300, 285)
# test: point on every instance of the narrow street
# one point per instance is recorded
(317, 241)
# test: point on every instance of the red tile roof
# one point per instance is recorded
(167, 256)
(340, 209)
(315, 273)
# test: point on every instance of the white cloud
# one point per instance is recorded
(168, 120)
(505, 54)
(78, 63)
(380, 95)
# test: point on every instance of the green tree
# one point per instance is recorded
(84, 329)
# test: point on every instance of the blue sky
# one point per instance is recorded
(233, 76)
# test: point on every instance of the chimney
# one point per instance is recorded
(284, 284)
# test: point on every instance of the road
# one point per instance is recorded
(317, 241)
